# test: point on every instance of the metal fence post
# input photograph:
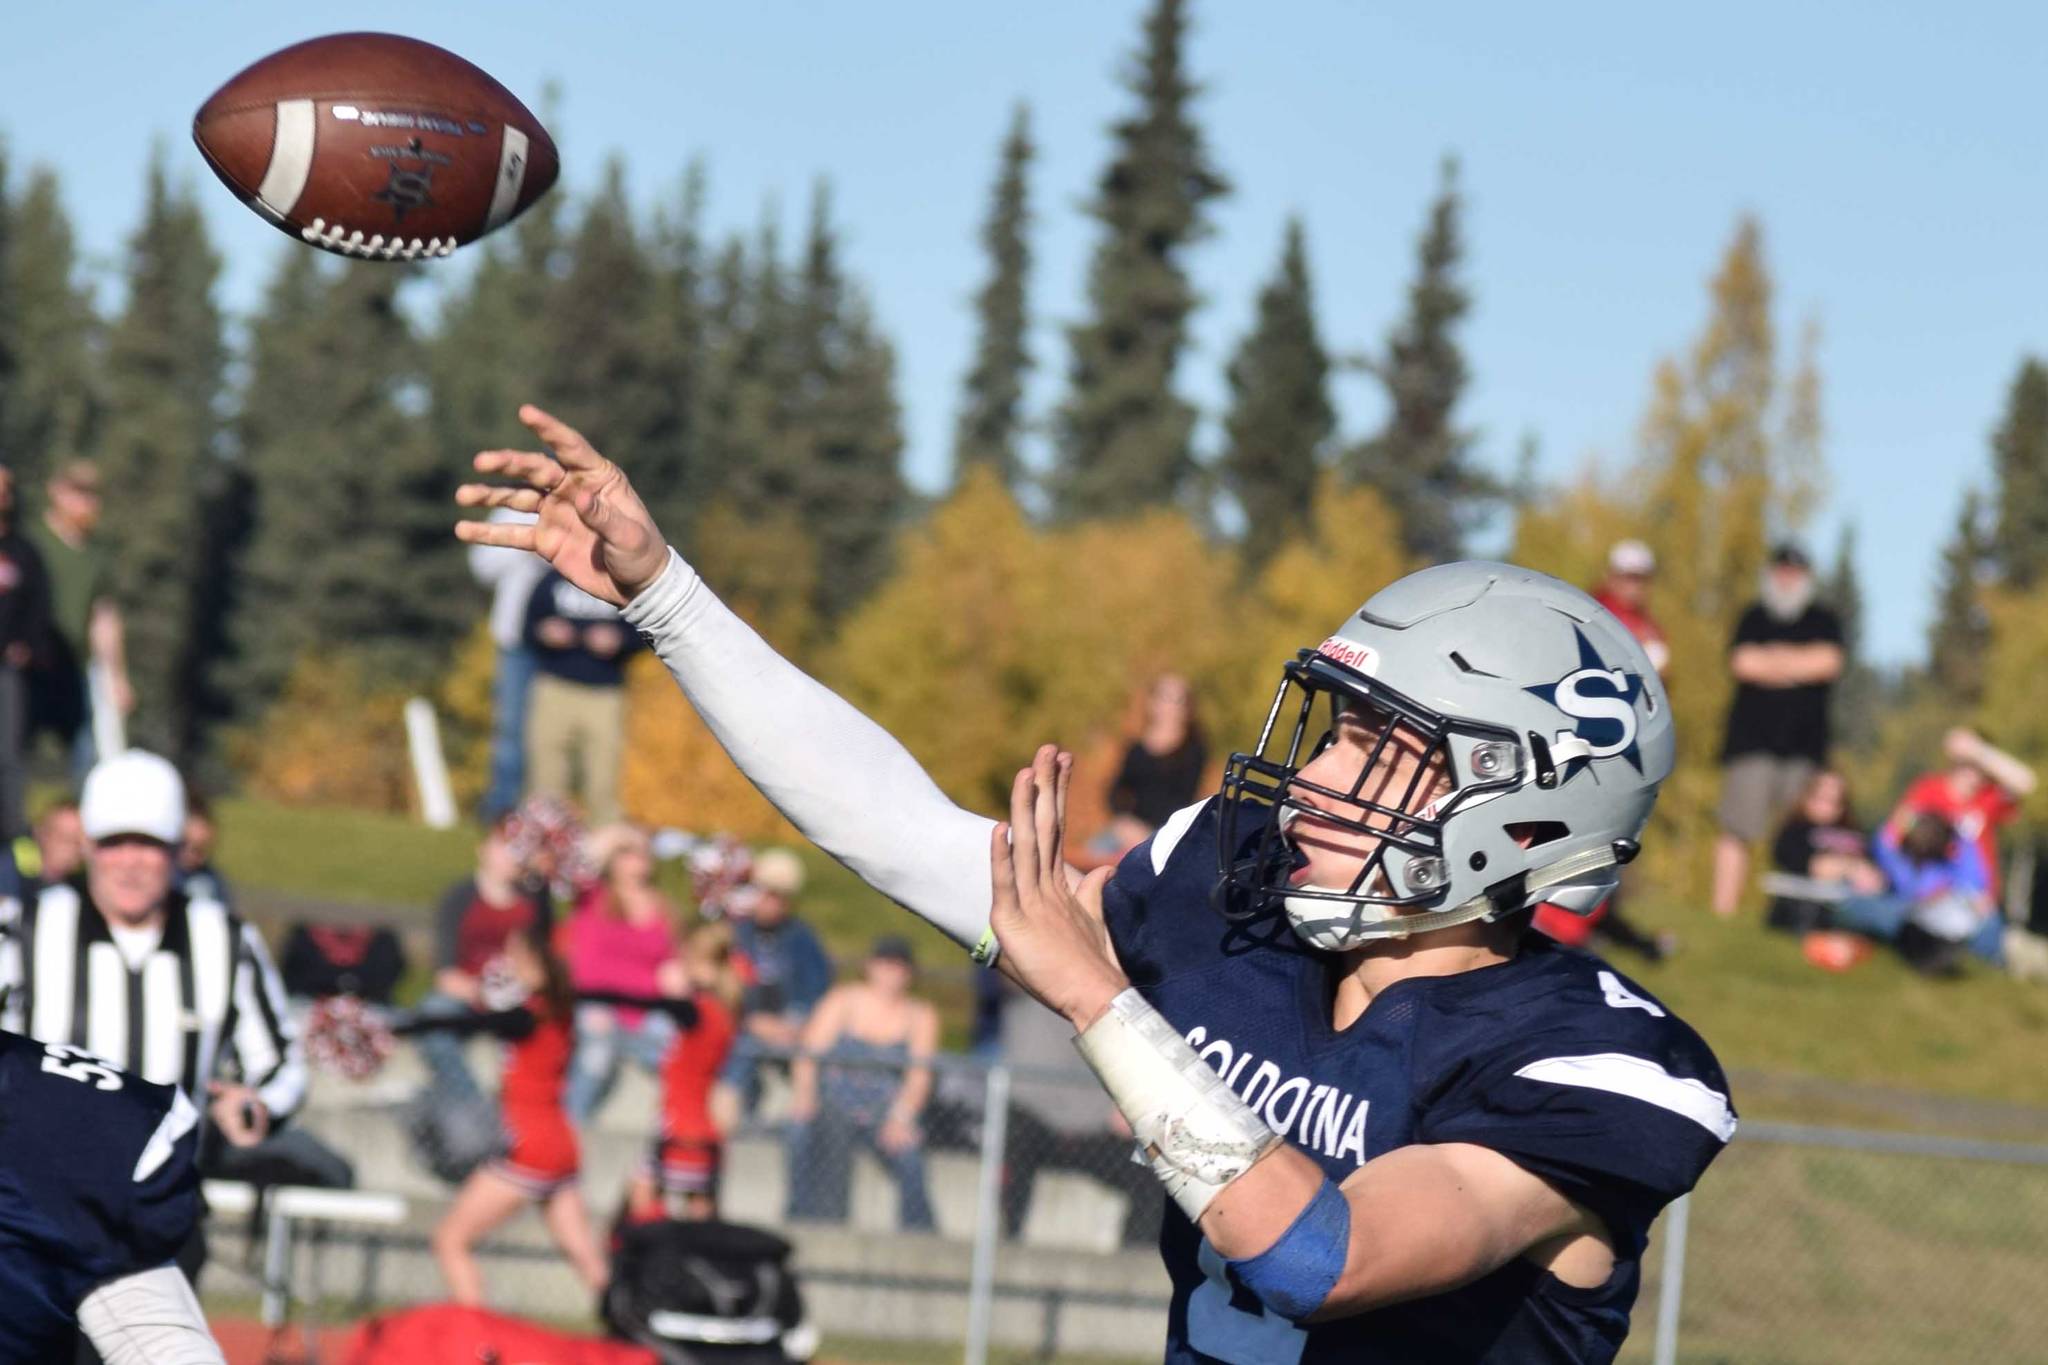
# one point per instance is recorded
(1672, 1290)
(988, 1213)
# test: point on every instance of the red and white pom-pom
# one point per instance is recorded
(345, 1036)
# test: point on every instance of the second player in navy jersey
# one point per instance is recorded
(97, 1183)
(1395, 1127)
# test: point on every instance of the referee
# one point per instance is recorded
(118, 961)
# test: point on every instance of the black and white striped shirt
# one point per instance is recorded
(206, 992)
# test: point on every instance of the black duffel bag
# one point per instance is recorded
(708, 1293)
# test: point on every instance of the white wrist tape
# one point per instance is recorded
(1197, 1134)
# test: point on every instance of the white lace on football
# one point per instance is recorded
(377, 247)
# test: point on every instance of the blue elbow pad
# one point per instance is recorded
(1296, 1274)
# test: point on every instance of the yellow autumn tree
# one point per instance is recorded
(1728, 454)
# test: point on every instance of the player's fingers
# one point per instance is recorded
(1024, 836)
(1065, 770)
(528, 466)
(511, 535)
(498, 495)
(1045, 775)
(1002, 872)
(568, 444)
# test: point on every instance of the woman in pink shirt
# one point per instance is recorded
(621, 933)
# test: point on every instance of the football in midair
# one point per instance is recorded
(376, 146)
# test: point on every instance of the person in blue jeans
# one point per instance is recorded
(862, 1080)
(1940, 890)
(787, 974)
(511, 576)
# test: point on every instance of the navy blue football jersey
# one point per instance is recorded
(1553, 1059)
(97, 1180)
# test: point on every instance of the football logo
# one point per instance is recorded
(1601, 702)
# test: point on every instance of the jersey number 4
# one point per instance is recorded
(1229, 1323)
(76, 1064)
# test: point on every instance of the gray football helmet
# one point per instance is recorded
(1540, 723)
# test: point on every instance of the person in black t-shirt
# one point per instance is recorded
(1820, 843)
(1785, 657)
(1162, 767)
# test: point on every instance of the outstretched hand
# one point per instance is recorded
(592, 526)
(1046, 916)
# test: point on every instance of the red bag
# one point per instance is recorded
(442, 1333)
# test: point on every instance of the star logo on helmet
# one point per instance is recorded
(1601, 702)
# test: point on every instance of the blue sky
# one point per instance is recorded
(1892, 153)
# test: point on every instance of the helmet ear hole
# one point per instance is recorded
(1536, 833)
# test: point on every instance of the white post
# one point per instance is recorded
(429, 769)
(109, 729)
(1671, 1293)
(988, 1214)
(277, 1268)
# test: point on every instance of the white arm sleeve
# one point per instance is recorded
(838, 777)
(148, 1319)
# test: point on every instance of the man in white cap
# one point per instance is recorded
(1626, 592)
(118, 961)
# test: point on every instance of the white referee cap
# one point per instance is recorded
(136, 792)
(1631, 557)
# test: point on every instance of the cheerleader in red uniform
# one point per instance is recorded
(680, 1173)
(540, 1161)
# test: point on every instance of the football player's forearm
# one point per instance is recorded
(838, 777)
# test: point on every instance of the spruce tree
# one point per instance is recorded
(51, 400)
(160, 451)
(845, 425)
(2019, 455)
(609, 367)
(1122, 434)
(991, 413)
(1280, 414)
(350, 547)
(1854, 707)
(1420, 461)
(1959, 637)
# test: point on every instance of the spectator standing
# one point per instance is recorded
(576, 711)
(1820, 843)
(24, 632)
(787, 973)
(178, 990)
(1981, 789)
(1162, 767)
(511, 575)
(57, 851)
(1625, 591)
(618, 940)
(1785, 657)
(197, 876)
(476, 918)
(862, 1078)
(85, 624)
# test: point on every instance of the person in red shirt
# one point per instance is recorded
(1981, 789)
(1626, 592)
(680, 1174)
(540, 1160)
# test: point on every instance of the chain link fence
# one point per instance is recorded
(1019, 1226)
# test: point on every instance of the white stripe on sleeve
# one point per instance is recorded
(182, 1118)
(265, 1039)
(1639, 1078)
(56, 942)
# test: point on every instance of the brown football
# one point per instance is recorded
(376, 146)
